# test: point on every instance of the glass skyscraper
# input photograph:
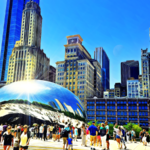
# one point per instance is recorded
(11, 32)
(101, 56)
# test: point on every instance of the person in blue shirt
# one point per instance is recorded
(93, 129)
(70, 147)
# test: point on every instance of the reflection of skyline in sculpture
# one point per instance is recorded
(43, 92)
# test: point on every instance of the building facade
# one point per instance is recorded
(109, 93)
(101, 56)
(134, 88)
(27, 60)
(145, 63)
(129, 69)
(11, 33)
(77, 71)
(52, 74)
(120, 110)
(120, 91)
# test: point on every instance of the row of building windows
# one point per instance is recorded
(60, 74)
(60, 70)
(60, 78)
(81, 72)
(71, 56)
(81, 77)
(71, 50)
(100, 118)
(70, 77)
(70, 83)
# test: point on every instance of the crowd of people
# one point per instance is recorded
(19, 136)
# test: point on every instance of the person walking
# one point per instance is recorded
(8, 138)
(87, 134)
(107, 134)
(99, 137)
(93, 129)
(70, 142)
(114, 135)
(25, 138)
(144, 140)
(83, 135)
(118, 136)
(103, 135)
(123, 137)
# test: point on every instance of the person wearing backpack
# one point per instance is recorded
(64, 135)
(25, 138)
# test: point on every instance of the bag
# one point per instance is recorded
(63, 133)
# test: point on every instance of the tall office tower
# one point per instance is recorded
(27, 60)
(129, 69)
(11, 33)
(101, 56)
(76, 72)
(145, 63)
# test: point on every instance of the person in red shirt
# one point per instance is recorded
(21, 128)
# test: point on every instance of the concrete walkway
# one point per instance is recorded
(50, 145)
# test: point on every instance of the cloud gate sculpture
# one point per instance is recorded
(21, 101)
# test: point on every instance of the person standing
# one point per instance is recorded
(70, 142)
(103, 135)
(107, 134)
(41, 130)
(93, 129)
(118, 136)
(114, 135)
(8, 138)
(83, 135)
(25, 138)
(48, 132)
(45, 132)
(51, 131)
(147, 135)
(5, 127)
(1, 131)
(87, 134)
(76, 134)
(99, 137)
(144, 140)
(140, 136)
(64, 135)
(133, 135)
(128, 136)
(36, 131)
(15, 133)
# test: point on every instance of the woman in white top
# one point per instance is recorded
(144, 140)
(118, 135)
(25, 138)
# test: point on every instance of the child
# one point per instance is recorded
(144, 140)
(70, 142)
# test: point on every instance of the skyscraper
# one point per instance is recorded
(79, 72)
(129, 69)
(27, 60)
(101, 56)
(145, 66)
(11, 33)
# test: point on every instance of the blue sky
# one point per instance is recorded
(120, 27)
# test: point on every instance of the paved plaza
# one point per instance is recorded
(50, 145)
